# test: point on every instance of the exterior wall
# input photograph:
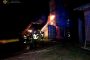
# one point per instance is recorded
(61, 18)
(87, 25)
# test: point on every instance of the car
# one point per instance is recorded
(32, 36)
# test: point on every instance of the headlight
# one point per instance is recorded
(30, 31)
(35, 36)
(25, 37)
(25, 42)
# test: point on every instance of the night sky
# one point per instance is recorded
(15, 17)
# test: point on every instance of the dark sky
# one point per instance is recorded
(15, 17)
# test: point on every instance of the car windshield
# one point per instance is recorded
(36, 26)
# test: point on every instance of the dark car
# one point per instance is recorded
(32, 36)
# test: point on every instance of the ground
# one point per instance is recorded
(56, 52)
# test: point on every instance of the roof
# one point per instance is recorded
(83, 7)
